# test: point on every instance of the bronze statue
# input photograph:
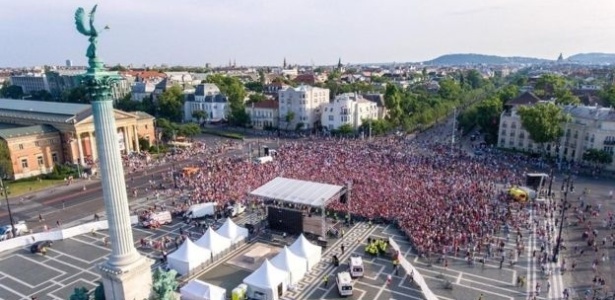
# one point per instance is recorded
(91, 32)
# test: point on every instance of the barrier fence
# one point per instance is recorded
(57, 234)
(418, 278)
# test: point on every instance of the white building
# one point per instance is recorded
(31, 83)
(349, 109)
(264, 114)
(304, 103)
(207, 98)
(591, 127)
(142, 90)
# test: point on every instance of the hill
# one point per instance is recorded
(592, 58)
(477, 59)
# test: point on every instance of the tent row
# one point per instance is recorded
(272, 278)
(191, 255)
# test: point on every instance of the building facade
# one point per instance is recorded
(590, 127)
(349, 109)
(142, 90)
(301, 107)
(62, 133)
(207, 98)
(264, 114)
(31, 83)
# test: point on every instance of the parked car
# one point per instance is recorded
(20, 228)
(40, 247)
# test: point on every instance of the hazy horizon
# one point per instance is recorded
(196, 32)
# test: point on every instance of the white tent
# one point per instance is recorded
(187, 257)
(232, 231)
(213, 242)
(303, 248)
(293, 264)
(200, 290)
(267, 282)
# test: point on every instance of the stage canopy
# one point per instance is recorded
(298, 191)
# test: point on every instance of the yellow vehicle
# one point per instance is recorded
(518, 194)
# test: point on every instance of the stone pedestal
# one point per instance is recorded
(132, 282)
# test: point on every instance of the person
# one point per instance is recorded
(326, 280)
(342, 248)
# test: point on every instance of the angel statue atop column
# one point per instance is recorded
(90, 31)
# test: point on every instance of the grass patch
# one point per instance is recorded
(20, 187)
(225, 134)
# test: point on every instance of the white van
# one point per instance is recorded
(356, 266)
(157, 218)
(263, 160)
(201, 210)
(344, 284)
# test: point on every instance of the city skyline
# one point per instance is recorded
(192, 32)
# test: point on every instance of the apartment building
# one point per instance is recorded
(301, 107)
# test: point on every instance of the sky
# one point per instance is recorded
(319, 32)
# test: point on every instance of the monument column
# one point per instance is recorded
(126, 275)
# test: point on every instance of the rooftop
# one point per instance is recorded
(591, 112)
(8, 131)
(269, 104)
(45, 107)
(526, 98)
(298, 191)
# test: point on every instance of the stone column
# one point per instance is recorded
(136, 135)
(93, 146)
(126, 140)
(80, 147)
(114, 187)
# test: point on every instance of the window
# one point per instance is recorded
(24, 163)
(331, 118)
(54, 157)
(20, 146)
(40, 161)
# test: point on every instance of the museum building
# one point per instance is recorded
(41, 134)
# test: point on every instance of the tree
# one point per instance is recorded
(144, 144)
(449, 89)
(6, 164)
(76, 95)
(127, 104)
(254, 86)
(345, 129)
(199, 115)
(171, 103)
(565, 97)
(508, 92)
(188, 130)
(598, 157)
(543, 121)
(288, 118)
(41, 95)
(474, 79)
(608, 94)
(548, 84)
(253, 98)
(488, 117)
(392, 101)
(80, 293)
(11, 92)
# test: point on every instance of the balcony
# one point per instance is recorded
(609, 142)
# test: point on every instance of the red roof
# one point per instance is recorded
(270, 104)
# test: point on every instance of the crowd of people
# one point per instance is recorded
(441, 199)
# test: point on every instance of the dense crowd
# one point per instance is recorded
(441, 199)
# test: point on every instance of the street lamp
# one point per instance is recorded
(561, 223)
(5, 190)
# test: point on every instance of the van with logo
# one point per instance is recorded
(344, 284)
(356, 266)
(156, 219)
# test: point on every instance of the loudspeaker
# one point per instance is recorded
(266, 150)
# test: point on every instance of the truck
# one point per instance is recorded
(156, 219)
(235, 210)
(6, 230)
(344, 284)
(201, 210)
